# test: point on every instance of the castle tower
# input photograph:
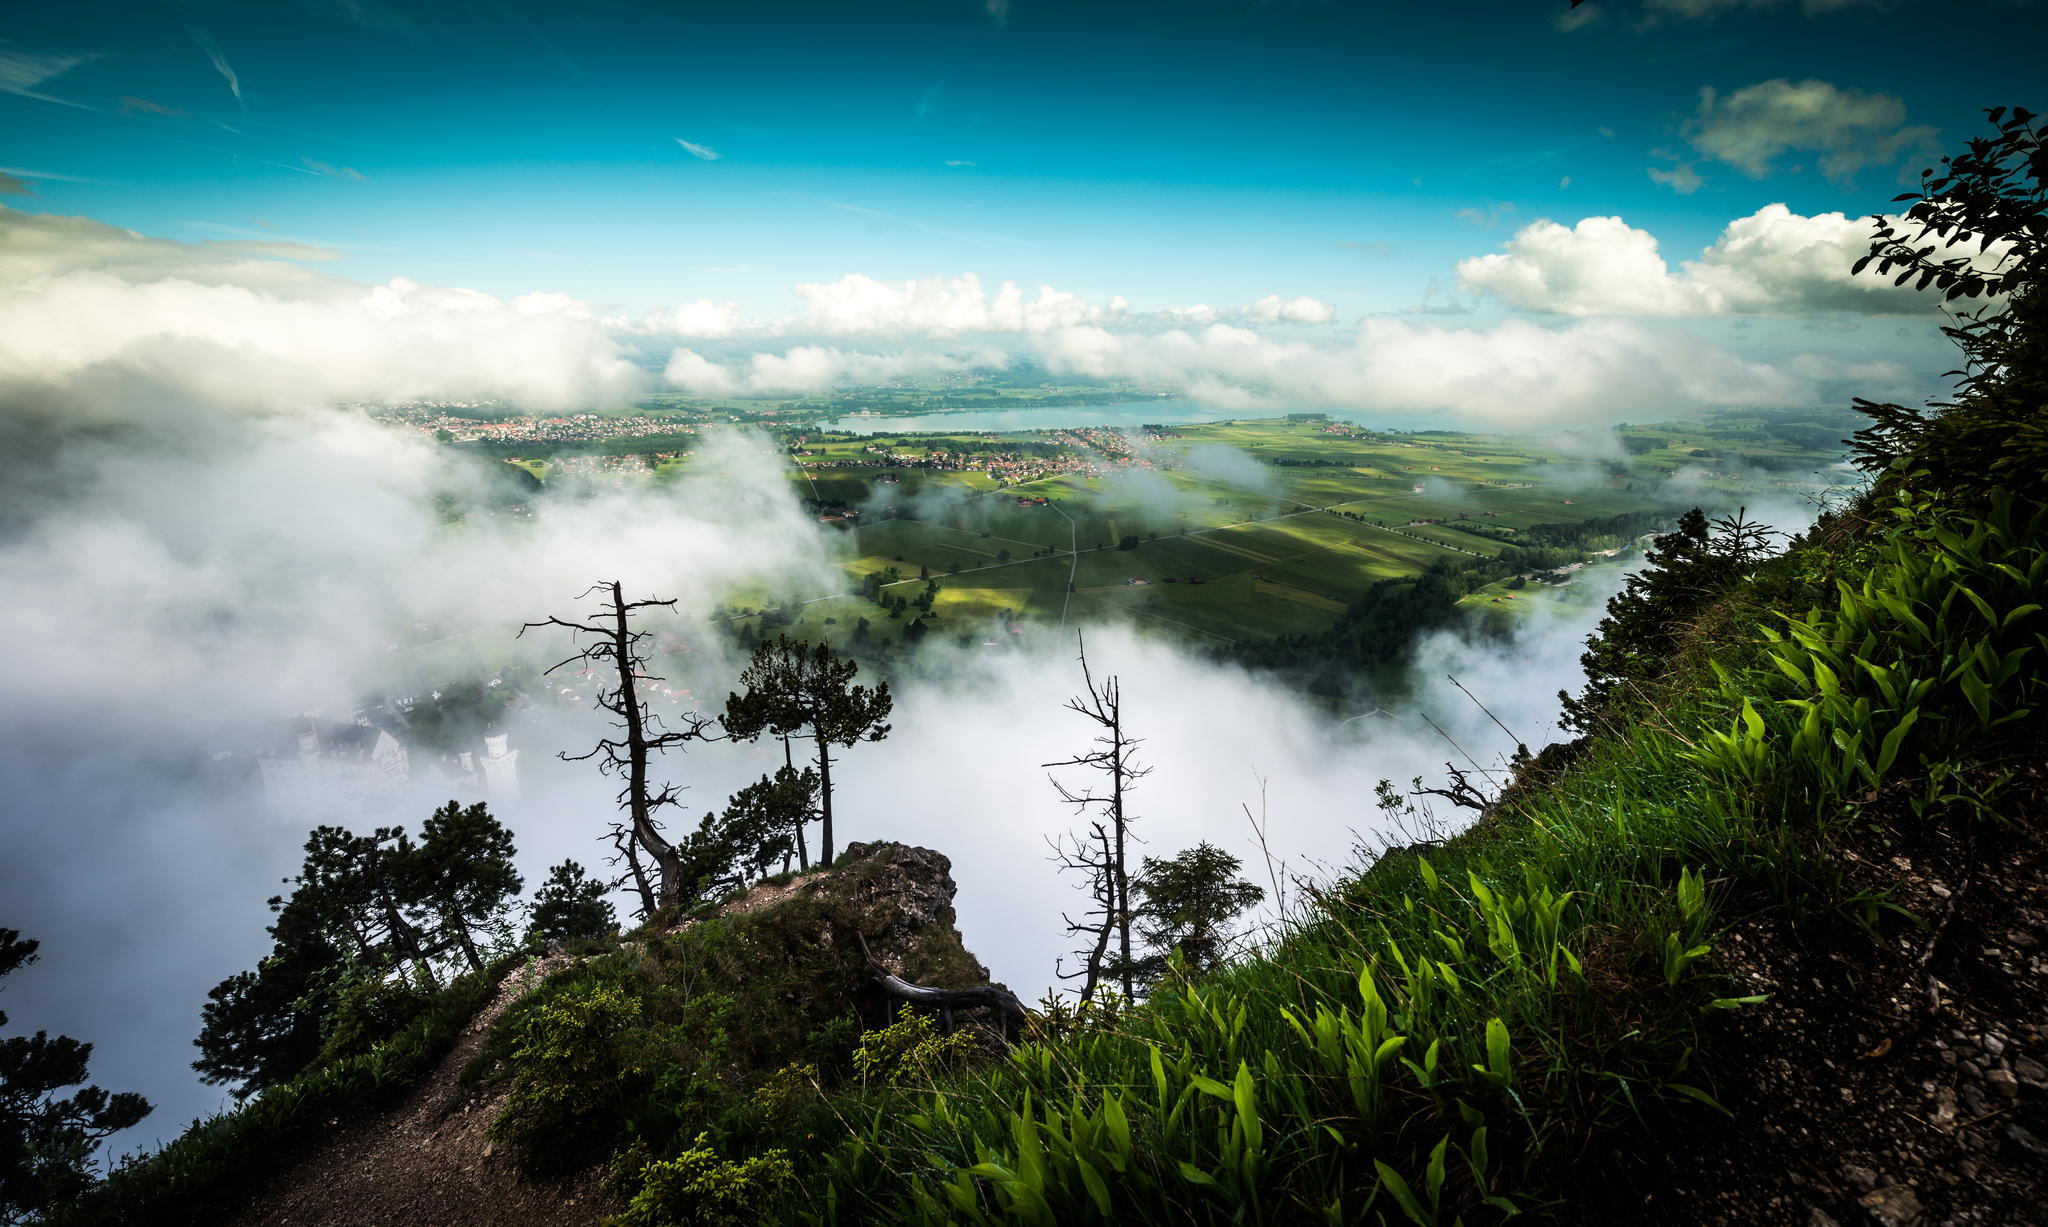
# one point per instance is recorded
(501, 767)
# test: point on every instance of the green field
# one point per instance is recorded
(1225, 532)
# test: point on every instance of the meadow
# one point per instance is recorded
(1226, 532)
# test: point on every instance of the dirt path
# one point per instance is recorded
(425, 1166)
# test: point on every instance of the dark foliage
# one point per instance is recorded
(792, 690)
(1188, 903)
(1977, 230)
(366, 910)
(1688, 568)
(47, 1140)
(571, 906)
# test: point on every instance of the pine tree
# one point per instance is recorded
(46, 1141)
(467, 878)
(571, 906)
(1189, 902)
(794, 690)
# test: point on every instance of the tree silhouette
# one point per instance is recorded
(1189, 902)
(613, 648)
(467, 878)
(1685, 570)
(1991, 203)
(570, 906)
(46, 1141)
(367, 912)
(795, 690)
(1105, 853)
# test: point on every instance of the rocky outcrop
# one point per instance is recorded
(430, 1160)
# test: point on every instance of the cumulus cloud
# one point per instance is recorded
(1773, 262)
(1846, 129)
(1680, 177)
(936, 306)
(1273, 309)
(702, 318)
(1515, 371)
(804, 370)
(88, 309)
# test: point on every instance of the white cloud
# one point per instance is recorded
(1773, 262)
(699, 376)
(702, 318)
(1272, 309)
(936, 306)
(102, 321)
(221, 66)
(1848, 129)
(1514, 372)
(703, 153)
(21, 72)
(1493, 214)
(805, 370)
(1681, 178)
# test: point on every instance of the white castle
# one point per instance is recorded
(335, 765)
(500, 768)
(348, 766)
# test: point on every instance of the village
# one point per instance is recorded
(445, 422)
(1077, 452)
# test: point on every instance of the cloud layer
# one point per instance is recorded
(1773, 262)
(1844, 129)
(90, 316)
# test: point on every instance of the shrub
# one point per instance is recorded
(699, 1189)
(577, 1058)
(909, 1047)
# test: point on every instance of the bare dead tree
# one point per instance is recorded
(652, 860)
(1094, 858)
(1102, 706)
(1461, 792)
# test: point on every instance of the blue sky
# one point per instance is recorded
(1502, 212)
(1170, 154)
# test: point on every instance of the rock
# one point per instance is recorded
(1817, 1217)
(1991, 1044)
(1944, 1106)
(1973, 1099)
(2003, 1083)
(2030, 1072)
(1862, 1177)
(1894, 1205)
(2025, 1140)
